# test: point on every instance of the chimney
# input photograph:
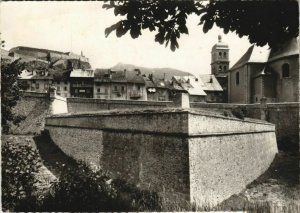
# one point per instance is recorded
(137, 71)
(164, 77)
(211, 79)
(150, 76)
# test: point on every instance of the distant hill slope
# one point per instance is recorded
(157, 72)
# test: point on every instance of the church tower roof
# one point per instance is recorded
(220, 44)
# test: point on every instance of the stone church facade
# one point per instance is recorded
(272, 74)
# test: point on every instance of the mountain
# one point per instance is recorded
(157, 72)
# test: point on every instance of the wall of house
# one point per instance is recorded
(173, 152)
(62, 88)
(287, 88)
(39, 85)
(285, 116)
(161, 94)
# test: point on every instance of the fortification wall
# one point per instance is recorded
(285, 116)
(162, 150)
(89, 104)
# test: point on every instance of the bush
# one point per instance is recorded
(240, 112)
(20, 163)
(81, 189)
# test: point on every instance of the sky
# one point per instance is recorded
(79, 26)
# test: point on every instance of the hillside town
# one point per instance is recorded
(259, 73)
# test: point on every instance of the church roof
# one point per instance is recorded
(287, 49)
(254, 54)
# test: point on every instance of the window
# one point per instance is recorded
(66, 82)
(224, 68)
(115, 88)
(224, 54)
(98, 90)
(220, 54)
(65, 88)
(139, 87)
(58, 88)
(220, 68)
(33, 81)
(285, 70)
(237, 78)
(58, 82)
(123, 88)
(37, 86)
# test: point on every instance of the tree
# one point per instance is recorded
(264, 22)
(10, 91)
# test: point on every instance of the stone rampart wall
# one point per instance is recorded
(168, 152)
(89, 104)
(285, 116)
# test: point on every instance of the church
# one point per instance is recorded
(272, 74)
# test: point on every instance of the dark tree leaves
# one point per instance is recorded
(10, 92)
(264, 22)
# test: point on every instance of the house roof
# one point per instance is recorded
(79, 73)
(210, 83)
(191, 84)
(253, 55)
(107, 75)
(287, 49)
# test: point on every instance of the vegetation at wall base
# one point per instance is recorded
(20, 163)
(78, 188)
(10, 92)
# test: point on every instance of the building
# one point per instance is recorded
(82, 83)
(157, 89)
(212, 88)
(220, 65)
(190, 84)
(261, 72)
(119, 85)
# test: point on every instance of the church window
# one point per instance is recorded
(285, 70)
(237, 78)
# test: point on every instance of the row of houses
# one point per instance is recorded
(122, 85)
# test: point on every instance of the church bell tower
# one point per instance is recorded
(220, 64)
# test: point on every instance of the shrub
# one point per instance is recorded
(81, 189)
(240, 112)
(20, 163)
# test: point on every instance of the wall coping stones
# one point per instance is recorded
(161, 121)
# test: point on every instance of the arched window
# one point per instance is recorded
(237, 78)
(285, 70)
(224, 54)
(220, 54)
(224, 68)
(220, 68)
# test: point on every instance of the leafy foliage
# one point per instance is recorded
(10, 92)
(20, 163)
(240, 112)
(81, 189)
(264, 22)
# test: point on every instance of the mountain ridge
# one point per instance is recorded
(157, 72)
